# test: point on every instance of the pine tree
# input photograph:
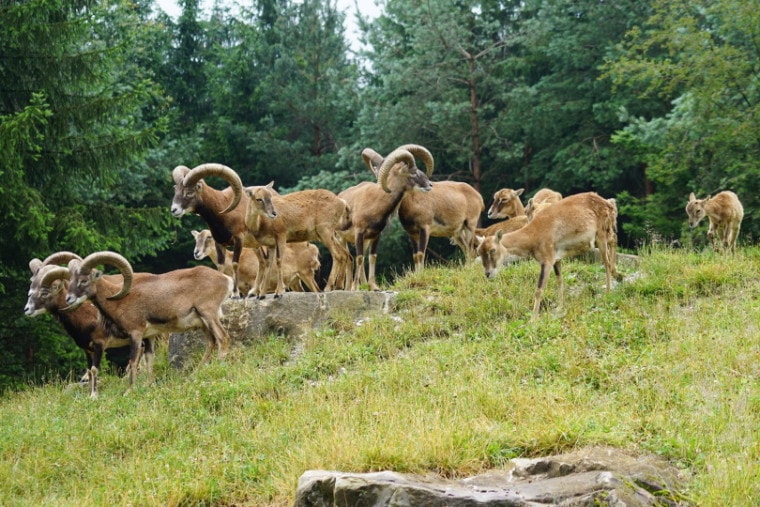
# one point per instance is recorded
(75, 113)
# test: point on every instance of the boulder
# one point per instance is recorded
(250, 320)
(587, 477)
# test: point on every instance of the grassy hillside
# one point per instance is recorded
(458, 381)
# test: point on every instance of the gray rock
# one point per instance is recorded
(587, 477)
(249, 320)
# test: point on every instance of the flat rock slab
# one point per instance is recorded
(250, 320)
(587, 477)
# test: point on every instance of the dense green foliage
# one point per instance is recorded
(456, 381)
(643, 101)
(703, 58)
(77, 114)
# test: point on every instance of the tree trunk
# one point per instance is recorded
(475, 168)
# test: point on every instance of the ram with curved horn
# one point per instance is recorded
(144, 304)
(373, 203)
(86, 326)
(451, 210)
(223, 210)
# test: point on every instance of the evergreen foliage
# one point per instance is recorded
(76, 115)
(703, 59)
(283, 92)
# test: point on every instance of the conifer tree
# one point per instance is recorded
(76, 112)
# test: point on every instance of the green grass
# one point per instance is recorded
(459, 380)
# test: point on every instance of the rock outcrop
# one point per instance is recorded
(249, 320)
(587, 477)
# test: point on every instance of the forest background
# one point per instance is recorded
(644, 101)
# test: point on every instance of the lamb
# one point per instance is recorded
(145, 305)
(569, 227)
(307, 215)
(300, 262)
(543, 198)
(725, 213)
(373, 203)
(85, 324)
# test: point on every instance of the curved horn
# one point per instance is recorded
(423, 153)
(221, 171)
(60, 258)
(396, 156)
(112, 259)
(34, 266)
(53, 274)
(179, 172)
(372, 158)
